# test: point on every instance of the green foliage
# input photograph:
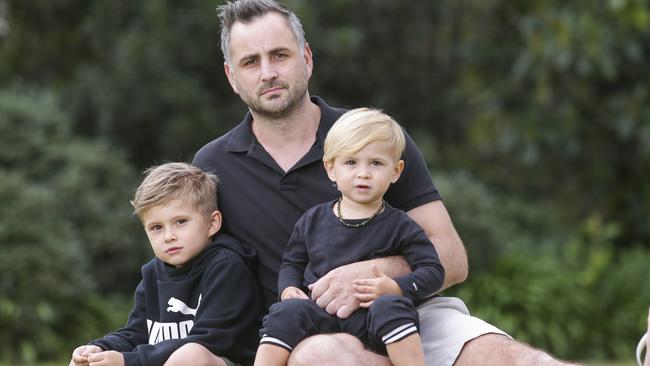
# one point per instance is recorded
(61, 212)
(579, 301)
(539, 108)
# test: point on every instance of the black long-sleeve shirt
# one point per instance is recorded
(320, 243)
(214, 301)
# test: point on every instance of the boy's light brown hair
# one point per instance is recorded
(172, 181)
(359, 127)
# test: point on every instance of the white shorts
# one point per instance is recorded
(445, 327)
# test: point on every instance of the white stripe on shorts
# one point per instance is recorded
(275, 341)
(399, 333)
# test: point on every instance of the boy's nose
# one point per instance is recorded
(169, 236)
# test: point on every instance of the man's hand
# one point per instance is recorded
(367, 290)
(334, 291)
(81, 353)
(292, 292)
(106, 358)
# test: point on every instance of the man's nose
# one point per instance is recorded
(268, 70)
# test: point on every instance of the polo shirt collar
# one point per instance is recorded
(242, 138)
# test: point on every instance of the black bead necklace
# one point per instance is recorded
(362, 223)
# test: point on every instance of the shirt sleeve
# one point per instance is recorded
(135, 331)
(294, 261)
(427, 273)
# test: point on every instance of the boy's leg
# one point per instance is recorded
(270, 355)
(408, 351)
(194, 354)
(288, 323)
(393, 323)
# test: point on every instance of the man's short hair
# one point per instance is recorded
(245, 11)
(176, 181)
(359, 127)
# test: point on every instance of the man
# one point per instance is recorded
(271, 171)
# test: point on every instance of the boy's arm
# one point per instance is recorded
(135, 331)
(226, 321)
(294, 261)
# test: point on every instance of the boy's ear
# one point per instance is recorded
(214, 222)
(329, 168)
(399, 168)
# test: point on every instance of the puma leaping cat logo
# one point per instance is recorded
(178, 306)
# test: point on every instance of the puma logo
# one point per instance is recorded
(178, 306)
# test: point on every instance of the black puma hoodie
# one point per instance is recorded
(213, 300)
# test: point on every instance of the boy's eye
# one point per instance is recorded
(349, 162)
(155, 227)
(181, 221)
(376, 162)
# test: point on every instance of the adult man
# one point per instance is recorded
(271, 171)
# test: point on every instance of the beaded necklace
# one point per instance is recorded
(362, 223)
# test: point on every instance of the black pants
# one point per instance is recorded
(389, 319)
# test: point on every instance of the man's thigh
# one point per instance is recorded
(445, 327)
(337, 349)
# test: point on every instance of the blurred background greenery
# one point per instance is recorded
(533, 115)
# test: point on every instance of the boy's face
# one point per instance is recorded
(178, 232)
(364, 177)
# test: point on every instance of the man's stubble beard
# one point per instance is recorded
(294, 97)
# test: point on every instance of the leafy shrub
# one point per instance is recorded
(65, 210)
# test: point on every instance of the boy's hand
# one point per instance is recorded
(292, 292)
(106, 358)
(367, 290)
(81, 353)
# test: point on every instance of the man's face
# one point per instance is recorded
(268, 69)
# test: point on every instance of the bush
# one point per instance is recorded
(65, 210)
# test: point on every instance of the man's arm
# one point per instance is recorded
(334, 291)
(435, 221)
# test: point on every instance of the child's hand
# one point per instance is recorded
(292, 292)
(106, 358)
(367, 290)
(81, 353)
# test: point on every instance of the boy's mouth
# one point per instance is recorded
(173, 250)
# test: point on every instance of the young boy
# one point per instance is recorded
(362, 157)
(198, 301)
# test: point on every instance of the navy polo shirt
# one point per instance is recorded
(260, 202)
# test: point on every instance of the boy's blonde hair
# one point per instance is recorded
(359, 127)
(168, 182)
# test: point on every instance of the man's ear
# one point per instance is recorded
(329, 168)
(215, 222)
(231, 77)
(397, 171)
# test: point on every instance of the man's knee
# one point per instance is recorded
(333, 349)
(193, 354)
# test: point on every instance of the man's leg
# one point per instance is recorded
(334, 350)
(451, 336)
(497, 349)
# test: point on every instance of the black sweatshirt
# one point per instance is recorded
(213, 301)
(320, 243)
